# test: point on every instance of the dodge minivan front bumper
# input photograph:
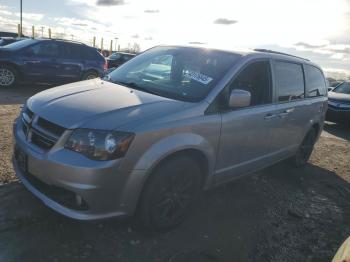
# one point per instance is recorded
(72, 184)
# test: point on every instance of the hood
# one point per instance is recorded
(339, 96)
(98, 104)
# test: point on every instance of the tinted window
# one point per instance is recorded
(126, 58)
(255, 78)
(115, 56)
(20, 44)
(289, 81)
(181, 73)
(315, 83)
(45, 49)
(343, 88)
(73, 51)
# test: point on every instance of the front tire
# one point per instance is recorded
(8, 76)
(305, 149)
(170, 193)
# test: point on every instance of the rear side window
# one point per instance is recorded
(315, 83)
(289, 80)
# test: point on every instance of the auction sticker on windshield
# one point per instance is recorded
(198, 77)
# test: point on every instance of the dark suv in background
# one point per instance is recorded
(49, 61)
(118, 58)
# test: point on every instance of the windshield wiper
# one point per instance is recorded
(134, 86)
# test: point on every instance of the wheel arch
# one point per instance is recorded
(192, 145)
(90, 70)
(195, 154)
(13, 65)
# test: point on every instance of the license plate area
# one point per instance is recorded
(21, 159)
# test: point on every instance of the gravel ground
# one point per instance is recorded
(278, 214)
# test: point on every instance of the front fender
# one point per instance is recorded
(158, 152)
(176, 143)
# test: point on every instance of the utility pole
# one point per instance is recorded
(21, 25)
(115, 45)
(42, 31)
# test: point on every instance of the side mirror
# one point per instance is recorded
(239, 98)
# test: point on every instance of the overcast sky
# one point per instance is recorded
(315, 29)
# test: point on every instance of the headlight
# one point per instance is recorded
(99, 144)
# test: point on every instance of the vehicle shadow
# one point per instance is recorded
(20, 93)
(278, 214)
(339, 130)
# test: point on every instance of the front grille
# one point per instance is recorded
(39, 131)
(50, 127)
(42, 140)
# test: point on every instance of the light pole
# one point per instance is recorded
(115, 46)
(42, 31)
(21, 19)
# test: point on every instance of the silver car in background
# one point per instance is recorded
(171, 122)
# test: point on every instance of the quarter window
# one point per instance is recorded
(289, 80)
(315, 84)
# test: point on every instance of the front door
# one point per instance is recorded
(39, 61)
(246, 132)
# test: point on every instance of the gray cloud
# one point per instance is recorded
(110, 2)
(80, 24)
(331, 48)
(225, 21)
(196, 43)
(135, 36)
(152, 11)
(306, 45)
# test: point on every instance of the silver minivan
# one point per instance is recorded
(173, 121)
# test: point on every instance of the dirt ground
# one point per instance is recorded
(278, 214)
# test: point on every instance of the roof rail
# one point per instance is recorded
(64, 40)
(278, 53)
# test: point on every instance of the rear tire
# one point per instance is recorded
(170, 193)
(89, 75)
(8, 76)
(305, 149)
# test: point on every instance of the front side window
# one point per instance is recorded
(256, 79)
(315, 83)
(289, 81)
(343, 88)
(21, 44)
(181, 73)
(50, 49)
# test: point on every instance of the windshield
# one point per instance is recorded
(181, 73)
(20, 44)
(342, 88)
